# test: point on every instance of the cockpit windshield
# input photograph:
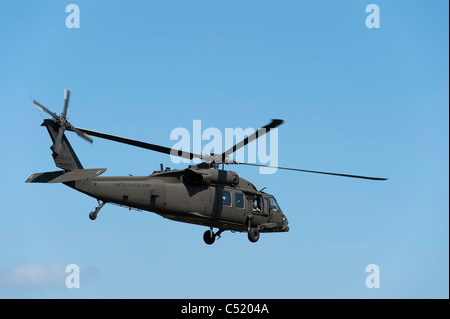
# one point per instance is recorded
(274, 205)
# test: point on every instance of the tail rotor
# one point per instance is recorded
(63, 123)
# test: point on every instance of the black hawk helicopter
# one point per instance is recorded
(201, 194)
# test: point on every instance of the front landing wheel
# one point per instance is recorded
(209, 237)
(253, 235)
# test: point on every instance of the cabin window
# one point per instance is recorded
(239, 201)
(257, 204)
(226, 198)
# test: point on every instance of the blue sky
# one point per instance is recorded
(354, 100)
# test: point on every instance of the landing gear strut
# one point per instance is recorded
(210, 237)
(93, 215)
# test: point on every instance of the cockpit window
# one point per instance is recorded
(226, 198)
(274, 205)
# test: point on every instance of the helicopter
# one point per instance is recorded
(201, 194)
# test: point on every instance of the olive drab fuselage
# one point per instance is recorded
(208, 197)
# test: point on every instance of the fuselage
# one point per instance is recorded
(170, 194)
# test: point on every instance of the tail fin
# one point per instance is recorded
(66, 158)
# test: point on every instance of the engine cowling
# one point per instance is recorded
(211, 176)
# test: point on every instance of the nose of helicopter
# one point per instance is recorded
(285, 224)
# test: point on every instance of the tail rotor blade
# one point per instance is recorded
(66, 102)
(43, 108)
(81, 134)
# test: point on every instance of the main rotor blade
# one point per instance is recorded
(317, 172)
(81, 134)
(148, 146)
(260, 132)
(43, 108)
(66, 102)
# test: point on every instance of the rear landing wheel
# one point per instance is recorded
(93, 215)
(209, 237)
